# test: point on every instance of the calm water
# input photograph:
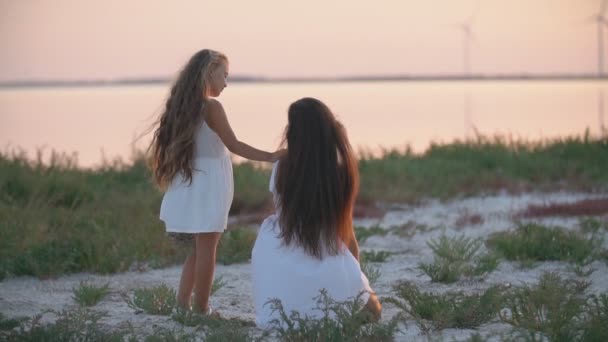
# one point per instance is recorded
(96, 122)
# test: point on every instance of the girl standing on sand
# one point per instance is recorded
(190, 160)
(309, 243)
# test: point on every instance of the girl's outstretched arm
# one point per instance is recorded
(218, 121)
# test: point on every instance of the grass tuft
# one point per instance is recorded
(69, 325)
(533, 242)
(433, 312)
(337, 321)
(7, 324)
(157, 300)
(456, 257)
(363, 233)
(554, 307)
(87, 294)
(370, 270)
(375, 256)
(163, 334)
(595, 327)
(216, 328)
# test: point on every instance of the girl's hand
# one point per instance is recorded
(278, 154)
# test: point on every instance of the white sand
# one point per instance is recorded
(27, 296)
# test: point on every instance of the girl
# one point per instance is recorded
(310, 244)
(190, 160)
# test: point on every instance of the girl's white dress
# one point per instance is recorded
(295, 277)
(202, 206)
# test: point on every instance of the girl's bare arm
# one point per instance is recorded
(218, 121)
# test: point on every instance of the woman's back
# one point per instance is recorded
(295, 277)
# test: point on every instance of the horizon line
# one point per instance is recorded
(354, 78)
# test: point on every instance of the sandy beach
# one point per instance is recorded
(27, 296)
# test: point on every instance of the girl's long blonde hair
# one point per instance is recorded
(172, 148)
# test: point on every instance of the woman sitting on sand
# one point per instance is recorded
(309, 244)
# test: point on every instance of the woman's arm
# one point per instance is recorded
(218, 121)
(353, 245)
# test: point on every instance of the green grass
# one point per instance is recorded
(218, 283)
(7, 324)
(363, 233)
(161, 299)
(216, 328)
(595, 327)
(87, 294)
(339, 321)
(554, 307)
(375, 256)
(69, 325)
(534, 242)
(56, 218)
(162, 334)
(370, 270)
(157, 300)
(433, 312)
(235, 246)
(457, 257)
(486, 164)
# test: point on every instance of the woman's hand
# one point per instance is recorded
(278, 154)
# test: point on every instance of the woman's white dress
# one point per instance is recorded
(202, 206)
(295, 277)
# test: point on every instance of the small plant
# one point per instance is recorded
(158, 300)
(218, 283)
(375, 256)
(595, 327)
(372, 272)
(89, 294)
(554, 307)
(337, 321)
(216, 328)
(162, 334)
(455, 257)
(70, 325)
(433, 311)
(363, 233)
(591, 225)
(534, 242)
(10, 323)
(411, 228)
(235, 246)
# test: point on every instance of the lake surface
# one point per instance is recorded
(97, 122)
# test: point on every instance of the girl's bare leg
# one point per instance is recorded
(206, 246)
(186, 282)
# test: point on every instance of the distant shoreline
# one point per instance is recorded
(372, 78)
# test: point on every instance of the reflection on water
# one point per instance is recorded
(105, 120)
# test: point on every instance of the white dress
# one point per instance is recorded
(295, 277)
(202, 206)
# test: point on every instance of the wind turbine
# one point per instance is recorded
(600, 20)
(467, 37)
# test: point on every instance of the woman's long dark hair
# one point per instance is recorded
(317, 181)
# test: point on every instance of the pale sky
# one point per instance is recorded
(84, 39)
